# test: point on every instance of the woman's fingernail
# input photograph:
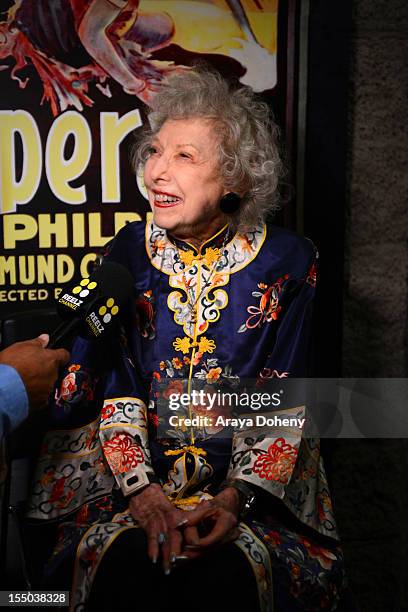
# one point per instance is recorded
(173, 557)
(182, 522)
(154, 560)
(167, 571)
(181, 558)
(162, 538)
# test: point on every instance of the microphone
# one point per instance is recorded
(91, 308)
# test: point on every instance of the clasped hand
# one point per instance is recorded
(177, 535)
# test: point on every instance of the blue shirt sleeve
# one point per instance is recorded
(13, 400)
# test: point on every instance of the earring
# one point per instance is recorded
(230, 203)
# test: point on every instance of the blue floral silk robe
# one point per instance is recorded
(240, 307)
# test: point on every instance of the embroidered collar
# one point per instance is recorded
(215, 241)
(168, 257)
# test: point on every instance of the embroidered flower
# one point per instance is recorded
(74, 367)
(162, 365)
(213, 374)
(174, 386)
(122, 453)
(154, 419)
(269, 307)
(187, 257)
(217, 279)
(57, 490)
(187, 360)
(177, 363)
(277, 463)
(156, 375)
(211, 255)
(68, 387)
(295, 571)
(205, 345)
(182, 344)
(274, 538)
(325, 557)
(107, 411)
(197, 358)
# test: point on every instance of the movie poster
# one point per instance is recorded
(76, 78)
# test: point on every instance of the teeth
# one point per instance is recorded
(159, 197)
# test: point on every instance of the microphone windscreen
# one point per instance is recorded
(110, 280)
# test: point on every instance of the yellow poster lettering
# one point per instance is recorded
(7, 270)
(78, 229)
(57, 228)
(17, 228)
(65, 268)
(113, 131)
(26, 269)
(86, 260)
(45, 269)
(20, 190)
(60, 170)
(95, 231)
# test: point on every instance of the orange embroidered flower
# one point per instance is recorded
(122, 453)
(324, 556)
(177, 363)
(213, 374)
(217, 278)
(211, 255)
(277, 463)
(205, 345)
(295, 571)
(74, 367)
(162, 365)
(197, 358)
(187, 257)
(156, 375)
(187, 360)
(182, 344)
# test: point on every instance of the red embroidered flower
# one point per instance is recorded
(83, 515)
(107, 411)
(277, 463)
(154, 419)
(68, 386)
(324, 556)
(175, 386)
(122, 453)
(274, 538)
(57, 490)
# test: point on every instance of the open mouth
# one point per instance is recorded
(165, 200)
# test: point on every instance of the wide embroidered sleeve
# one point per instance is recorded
(266, 456)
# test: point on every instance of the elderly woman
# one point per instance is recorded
(219, 296)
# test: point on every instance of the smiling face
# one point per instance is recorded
(182, 179)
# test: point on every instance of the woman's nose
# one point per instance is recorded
(160, 169)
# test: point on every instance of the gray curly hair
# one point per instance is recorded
(248, 137)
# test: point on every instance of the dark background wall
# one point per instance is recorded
(356, 210)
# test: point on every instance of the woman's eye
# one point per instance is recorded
(185, 155)
(151, 151)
